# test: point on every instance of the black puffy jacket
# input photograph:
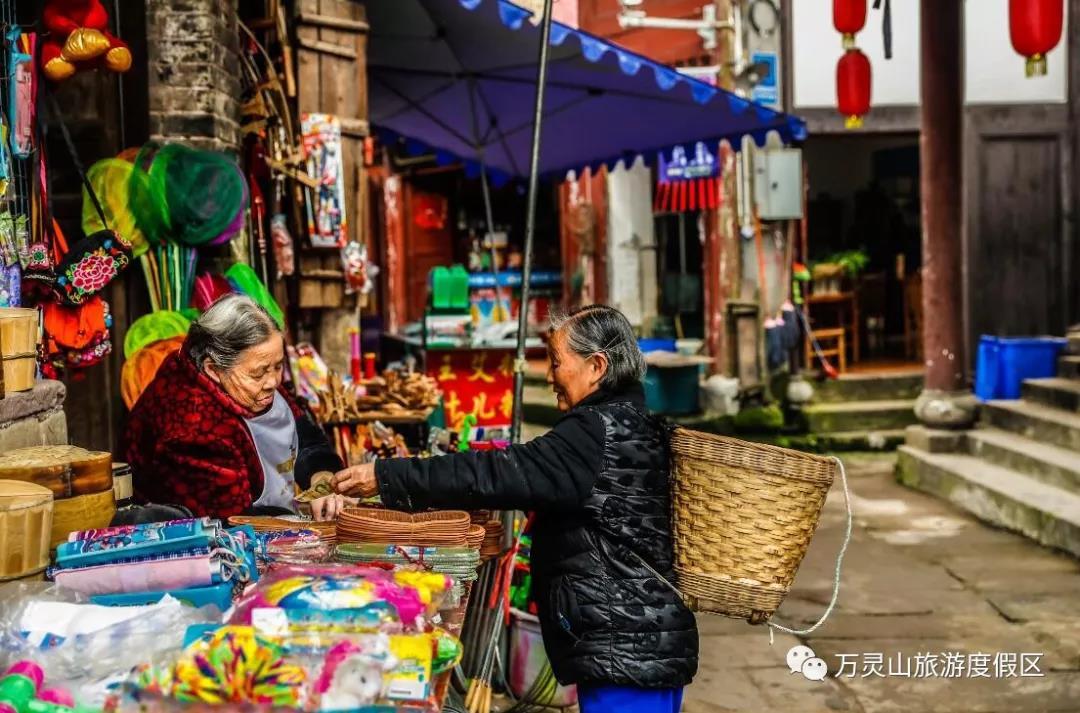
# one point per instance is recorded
(598, 483)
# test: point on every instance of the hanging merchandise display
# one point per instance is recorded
(23, 90)
(244, 279)
(327, 222)
(1035, 28)
(284, 253)
(79, 38)
(153, 327)
(110, 180)
(853, 73)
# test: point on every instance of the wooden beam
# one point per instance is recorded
(335, 23)
(327, 48)
(357, 128)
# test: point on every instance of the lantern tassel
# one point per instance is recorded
(1036, 65)
(854, 121)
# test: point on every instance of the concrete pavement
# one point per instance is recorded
(922, 582)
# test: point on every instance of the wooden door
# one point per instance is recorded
(1021, 244)
(429, 243)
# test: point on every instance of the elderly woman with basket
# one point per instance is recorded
(602, 555)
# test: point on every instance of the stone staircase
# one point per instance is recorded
(1020, 468)
(864, 411)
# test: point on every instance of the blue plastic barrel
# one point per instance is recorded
(1003, 364)
(656, 345)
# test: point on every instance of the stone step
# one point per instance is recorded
(1049, 464)
(860, 416)
(1035, 421)
(1069, 367)
(1053, 392)
(998, 495)
(869, 387)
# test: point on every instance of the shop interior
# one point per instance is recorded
(864, 246)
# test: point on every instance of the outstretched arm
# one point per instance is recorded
(553, 472)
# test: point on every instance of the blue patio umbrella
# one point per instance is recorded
(459, 77)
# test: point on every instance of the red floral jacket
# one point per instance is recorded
(187, 444)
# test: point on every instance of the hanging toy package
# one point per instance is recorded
(359, 272)
(23, 90)
(284, 256)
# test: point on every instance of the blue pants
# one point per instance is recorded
(626, 699)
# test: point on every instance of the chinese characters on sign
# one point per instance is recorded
(479, 382)
(948, 664)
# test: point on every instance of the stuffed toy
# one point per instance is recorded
(79, 38)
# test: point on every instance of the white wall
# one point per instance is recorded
(994, 72)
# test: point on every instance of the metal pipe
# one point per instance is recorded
(627, 21)
(530, 224)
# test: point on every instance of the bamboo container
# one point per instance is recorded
(26, 517)
(83, 512)
(66, 470)
(18, 349)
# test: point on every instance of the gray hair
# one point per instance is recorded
(599, 329)
(231, 325)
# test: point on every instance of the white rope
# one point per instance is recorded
(836, 577)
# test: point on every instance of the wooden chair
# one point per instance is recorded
(832, 343)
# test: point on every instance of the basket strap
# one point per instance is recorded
(839, 564)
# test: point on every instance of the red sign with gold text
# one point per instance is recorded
(480, 382)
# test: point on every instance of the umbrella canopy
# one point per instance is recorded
(459, 77)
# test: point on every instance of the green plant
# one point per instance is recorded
(852, 262)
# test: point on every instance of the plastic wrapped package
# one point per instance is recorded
(342, 598)
(85, 648)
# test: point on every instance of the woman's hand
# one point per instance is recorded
(358, 481)
(329, 507)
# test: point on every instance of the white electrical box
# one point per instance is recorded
(778, 183)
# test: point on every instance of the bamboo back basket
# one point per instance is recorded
(744, 514)
(18, 349)
(26, 513)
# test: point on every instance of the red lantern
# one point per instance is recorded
(1035, 29)
(849, 17)
(853, 87)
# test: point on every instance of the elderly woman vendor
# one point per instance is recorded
(215, 432)
(602, 552)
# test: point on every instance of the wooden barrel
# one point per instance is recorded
(65, 470)
(18, 349)
(26, 518)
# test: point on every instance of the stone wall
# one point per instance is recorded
(34, 418)
(194, 72)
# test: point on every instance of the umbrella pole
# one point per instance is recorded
(530, 223)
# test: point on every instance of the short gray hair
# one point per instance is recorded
(230, 325)
(599, 329)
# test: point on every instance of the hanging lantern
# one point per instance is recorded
(853, 87)
(849, 17)
(1035, 29)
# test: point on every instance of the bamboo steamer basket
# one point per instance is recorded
(82, 512)
(744, 514)
(26, 518)
(66, 470)
(18, 349)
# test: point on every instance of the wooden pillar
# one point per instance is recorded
(942, 63)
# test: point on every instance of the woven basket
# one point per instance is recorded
(744, 514)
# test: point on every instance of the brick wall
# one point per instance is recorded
(194, 72)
